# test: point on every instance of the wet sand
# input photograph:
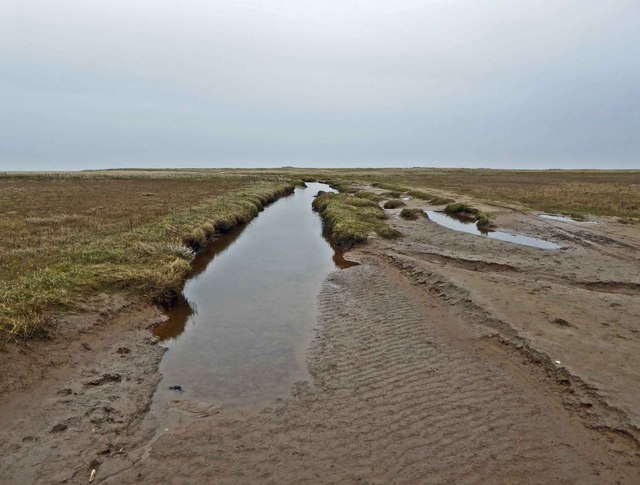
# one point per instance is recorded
(443, 358)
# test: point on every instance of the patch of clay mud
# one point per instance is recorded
(83, 406)
(394, 398)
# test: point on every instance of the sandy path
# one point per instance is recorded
(397, 397)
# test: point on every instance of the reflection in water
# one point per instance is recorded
(559, 218)
(470, 227)
(180, 313)
(254, 295)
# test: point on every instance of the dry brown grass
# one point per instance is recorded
(579, 192)
(65, 236)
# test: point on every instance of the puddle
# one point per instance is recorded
(238, 338)
(470, 227)
(559, 218)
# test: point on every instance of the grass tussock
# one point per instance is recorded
(298, 182)
(394, 204)
(351, 220)
(65, 237)
(391, 194)
(441, 200)
(419, 194)
(482, 219)
(413, 214)
(364, 194)
(344, 186)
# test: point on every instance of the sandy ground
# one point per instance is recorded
(443, 358)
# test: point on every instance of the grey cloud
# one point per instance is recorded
(369, 83)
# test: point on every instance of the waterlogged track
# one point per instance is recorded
(395, 398)
(254, 305)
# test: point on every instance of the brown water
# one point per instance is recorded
(239, 336)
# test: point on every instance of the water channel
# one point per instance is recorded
(239, 336)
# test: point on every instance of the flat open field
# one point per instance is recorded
(443, 357)
(580, 192)
(71, 235)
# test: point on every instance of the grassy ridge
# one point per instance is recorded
(352, 219)
(60, 241)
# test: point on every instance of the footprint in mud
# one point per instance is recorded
(104, 379)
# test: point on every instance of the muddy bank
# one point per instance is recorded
(401, 391)
(576, 308)
(77, 401)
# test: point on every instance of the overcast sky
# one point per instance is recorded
(142, 83)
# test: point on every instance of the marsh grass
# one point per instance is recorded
(65, 237)
(576, 193)
(413, 214)
(393, 204)
(350, 220)
(482, 219)
(391, 193)
(419, 194)
(364, 194)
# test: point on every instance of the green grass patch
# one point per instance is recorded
(350, 220)
(482, 219)
(344, 186)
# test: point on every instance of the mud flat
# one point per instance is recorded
(448, 357)
(401, 391)
(443, 357)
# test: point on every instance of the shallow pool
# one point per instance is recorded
(456, 224)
